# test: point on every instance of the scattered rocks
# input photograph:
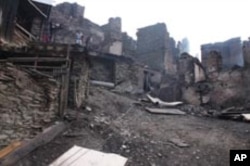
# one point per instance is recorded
(178, 142)
(88, 109)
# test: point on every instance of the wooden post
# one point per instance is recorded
(67, 78)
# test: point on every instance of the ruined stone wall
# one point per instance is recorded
(246, 53)
(102, 69)
(78, 83)
(219, 88)
(28, 103)
(151, 46)
(186, 69)
(71, 10)
(199, 73)
(171, 56)
(107, 38)
(113, 37)
(72, 23)
(155, 48)
(229, 88)
(128, 77)
(230, 50)
(213, 62)
(190, 74)
(115, 48)
(128, 45)
(126, 71)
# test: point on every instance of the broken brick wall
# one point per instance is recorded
(28, 103)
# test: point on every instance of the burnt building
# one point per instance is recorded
(129, 45)
(230, 51)
(246, 52)
(24, 19)
(113, 36)
(155, 48)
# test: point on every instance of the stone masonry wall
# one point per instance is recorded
(27, 103)
(156, 49)
(79, 80)
(102, 69)
(128, 77)
(151, 46)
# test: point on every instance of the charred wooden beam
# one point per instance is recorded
(26, 32)
(33, 59)
(46, 136)
(43, 67)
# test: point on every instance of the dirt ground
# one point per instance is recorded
(116, 125)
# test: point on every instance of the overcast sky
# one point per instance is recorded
(201, 21)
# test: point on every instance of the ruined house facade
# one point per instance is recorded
(230, 51)
(23, 21)
(113, 36)
(156, 49)
(224, 85)
(107, 38)
(128, 45)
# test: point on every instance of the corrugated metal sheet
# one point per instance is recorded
(79, 156)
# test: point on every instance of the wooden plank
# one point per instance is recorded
(43, 67)
(79, 156)
(41, 139)
(33, 59)
(71, 156)
(62, 97)
(66, 82)
(38, 9)
(40, 73)
(25, 31)
(170, 111)
(5, 151)
(64, 159)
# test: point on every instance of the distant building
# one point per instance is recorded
(156, 49)
(230, 51)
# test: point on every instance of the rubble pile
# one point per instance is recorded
(27, 103)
